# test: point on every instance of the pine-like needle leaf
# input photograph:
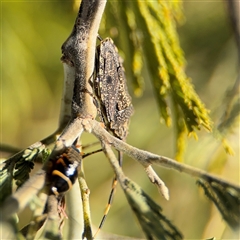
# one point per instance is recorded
(154, 224)
(226, 198)
(146, 34)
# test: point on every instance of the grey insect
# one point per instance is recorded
(111, 89)
(115, 104)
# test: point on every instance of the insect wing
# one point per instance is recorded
(108, 78)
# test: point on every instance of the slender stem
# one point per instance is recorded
(67, 95)
(75, 213)
(18, 201)
(72, 131)
(87, 233)
(146, 158)
(233, 8)
(114, 163)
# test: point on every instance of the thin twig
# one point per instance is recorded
(66, 101)
(87, 233)
(18, 201)
(114, 163)
(146, 158)
(72, 131)
(51, 227)
(154, 178)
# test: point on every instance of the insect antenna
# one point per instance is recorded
(111, 195)
(99, 38)
(90, 153)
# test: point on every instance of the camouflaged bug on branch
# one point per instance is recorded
(111, 89)
(115, 104)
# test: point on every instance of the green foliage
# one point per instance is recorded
(154, 224)
(6, 179)
(232, 107)
(24, 165)
(150, 42)
(17, 168)
(226, 198)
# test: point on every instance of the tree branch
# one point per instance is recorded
(78, 107)
(19, 200)
(79, 52)
(146, 158)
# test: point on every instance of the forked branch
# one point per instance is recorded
(78, 107)
(146, 159)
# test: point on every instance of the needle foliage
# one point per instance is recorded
(146, 31)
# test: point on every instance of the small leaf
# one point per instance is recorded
(154, 224)
(226, 198)
(5, 182)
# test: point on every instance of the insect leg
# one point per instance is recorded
(99, 38)
(111, 195)
(90, 153)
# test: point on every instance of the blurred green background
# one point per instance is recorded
(31, 86)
